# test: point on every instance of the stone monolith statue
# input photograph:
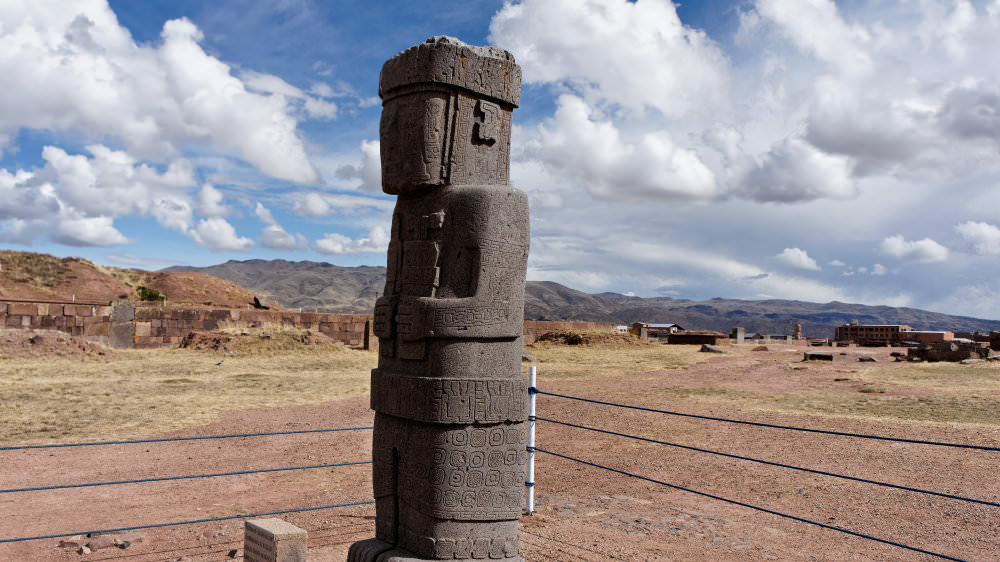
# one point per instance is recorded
(450, 401)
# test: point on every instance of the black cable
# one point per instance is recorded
(184, 477)
(765, 510)
(770, 425)
(771, 463)
(209, 520)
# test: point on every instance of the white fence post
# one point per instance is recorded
(530, 483)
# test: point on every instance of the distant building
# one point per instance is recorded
(622, 329)
(656, 331)
(889, 334)
(771, 338)
(698, 338)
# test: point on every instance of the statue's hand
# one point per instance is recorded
(382, 325)
(410, 320)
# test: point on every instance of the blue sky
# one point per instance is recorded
(802, 149)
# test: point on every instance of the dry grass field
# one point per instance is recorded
(138, 393)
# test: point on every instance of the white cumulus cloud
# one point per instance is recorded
(274, 236)
(797, 258)
(983, 238)
(210, 202)
(74, 198)
(377, 240)
(215, 233)
(77, 69)
(578, 142)
(369, 172)
(923, 251)
(634, 54)
(318, 204)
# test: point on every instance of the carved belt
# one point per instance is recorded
(450, 400)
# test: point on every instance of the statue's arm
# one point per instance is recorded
(496, 308)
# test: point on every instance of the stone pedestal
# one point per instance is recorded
(449, 458)
(738, 335)
(273, 540)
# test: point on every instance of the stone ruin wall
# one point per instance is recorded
(161, 327)
(165, 327)
(90, 321)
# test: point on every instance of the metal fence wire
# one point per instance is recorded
(182, 477)
(533, 391)
(533, 418)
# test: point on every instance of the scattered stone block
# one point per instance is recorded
(101, 541)
(817, 356)
(970, 361)
(705, 348)
(527, 357)
(760, 348)
(273, 540)
(867, 359)
(130, 538)
(73, 542)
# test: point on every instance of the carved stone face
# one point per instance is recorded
(412, 136)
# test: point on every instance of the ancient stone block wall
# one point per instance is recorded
(159, 327)
(156, 326)
(91, 321)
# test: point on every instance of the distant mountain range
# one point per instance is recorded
(324, 287)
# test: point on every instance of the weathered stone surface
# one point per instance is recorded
(130, 538)
(101, 541)
(711, 348)
(273, 540)
(449, 440)
(22, 309)
(73, 542)
(122, 331)
(817, 356)
(867, 359)
(738, 335)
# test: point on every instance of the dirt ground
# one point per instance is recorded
(585, 513)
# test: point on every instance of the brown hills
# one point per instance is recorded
(325, 287)
(33, 276)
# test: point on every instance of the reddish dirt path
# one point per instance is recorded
(583, 513)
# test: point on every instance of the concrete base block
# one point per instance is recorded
(273, 540)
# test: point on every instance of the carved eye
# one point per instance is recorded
(489, 116)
